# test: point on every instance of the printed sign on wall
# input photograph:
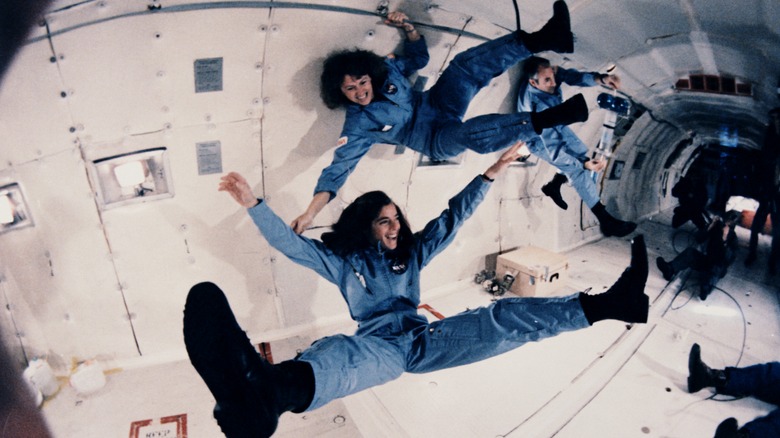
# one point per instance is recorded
(208, 75)
(209, 157)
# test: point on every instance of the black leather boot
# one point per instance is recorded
(250, 393)
(553, 190)
(729, 428)
(666, 268)
(701, 376)
(609, 225)
(555, 35)
(626, 299)
(572, 111)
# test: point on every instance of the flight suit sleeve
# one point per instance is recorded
(304, 251)
(414, 58)
(345, 158)
(440, 232)
(576, 78)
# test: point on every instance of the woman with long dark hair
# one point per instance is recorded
(382, 106)
(375, 260)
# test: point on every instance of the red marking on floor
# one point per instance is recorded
(432, 310)
(136, 427)
(264, 348)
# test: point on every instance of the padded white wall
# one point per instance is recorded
(86, 283)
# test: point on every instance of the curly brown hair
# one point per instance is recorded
(355, 63)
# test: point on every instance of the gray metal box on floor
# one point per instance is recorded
(537, 271)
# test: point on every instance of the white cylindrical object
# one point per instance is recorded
(88, 377)
(41, 376)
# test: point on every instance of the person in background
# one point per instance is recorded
(383, 107)
(692, 197)
(761, 381)
(375, 260)
(768, 182)
(540, 89)
(720, 242)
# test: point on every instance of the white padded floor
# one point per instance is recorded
(606, 381)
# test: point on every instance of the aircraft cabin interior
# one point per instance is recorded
(118, 120)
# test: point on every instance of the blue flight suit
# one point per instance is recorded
(560, 146)
(392, 338)
(761, 381)
(430, 122)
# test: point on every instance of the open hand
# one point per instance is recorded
(238, 188)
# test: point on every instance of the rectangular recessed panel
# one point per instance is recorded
(209, 157)
(208, 75)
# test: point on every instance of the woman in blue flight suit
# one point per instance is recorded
(382, 106)
(375, 260)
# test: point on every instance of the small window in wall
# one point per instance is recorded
(14, 213)
(639, 160)
(133, 177)
(617, 169)
(715, 84)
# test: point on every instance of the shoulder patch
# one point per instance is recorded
(342, 141)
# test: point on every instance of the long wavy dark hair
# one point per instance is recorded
(353, 231)
(355, 63)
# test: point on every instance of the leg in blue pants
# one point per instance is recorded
(762, 382)
(472, 70)
(450, 97)
(344, 365)
(567, 162)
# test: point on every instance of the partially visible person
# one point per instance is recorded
(692, 197)
(375, 260)
(383, 107)
(761, 381)
(20, 417)
(720, 242)
(540, 89)
(768, 182)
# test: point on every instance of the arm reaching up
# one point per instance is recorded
(239, 189)
(508, 157)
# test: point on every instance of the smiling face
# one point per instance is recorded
(386, 227)
(545, 80)
(358, 89)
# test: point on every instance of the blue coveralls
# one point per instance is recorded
(560, 146)
(391, 337)
(430, 122)
(761, 381)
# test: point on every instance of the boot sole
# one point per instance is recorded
(213, 340)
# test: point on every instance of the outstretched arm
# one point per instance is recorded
(508, 157)
(304, 251)
(439, 232)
